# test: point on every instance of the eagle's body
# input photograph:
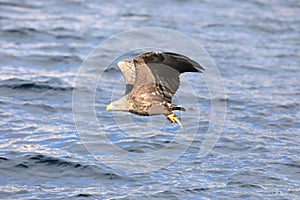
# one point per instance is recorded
(151, 80)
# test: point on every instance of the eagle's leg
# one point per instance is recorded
(173, 118)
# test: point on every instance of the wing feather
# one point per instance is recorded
(128, 70)
(163, 69)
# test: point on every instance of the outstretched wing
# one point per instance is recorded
(163, 69)
(128, 70)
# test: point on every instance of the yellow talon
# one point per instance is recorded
(173, 118)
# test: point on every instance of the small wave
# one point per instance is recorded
(54, 167)
(21, 84)
(52, 161)
(84, 195)
(18, 5)
(21, 31)
(289, 106)
(31, 166)
(3, 158)
(197, 190)
(24, 33)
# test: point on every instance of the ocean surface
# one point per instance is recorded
(256, 47)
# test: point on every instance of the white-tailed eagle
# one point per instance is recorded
(152, 79)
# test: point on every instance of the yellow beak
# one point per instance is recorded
(108, 107)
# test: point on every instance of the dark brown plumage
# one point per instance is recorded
(152, 79)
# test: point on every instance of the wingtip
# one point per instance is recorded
(197, 66)
(201, 69)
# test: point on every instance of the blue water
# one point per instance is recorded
(255, 45)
